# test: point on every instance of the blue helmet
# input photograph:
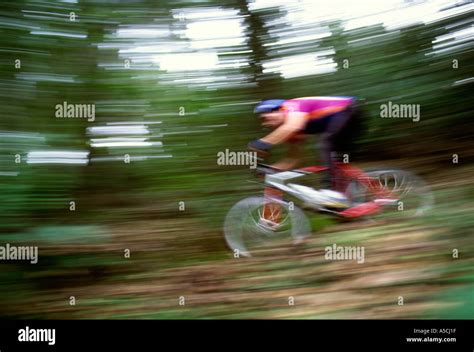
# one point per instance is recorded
(269, 105)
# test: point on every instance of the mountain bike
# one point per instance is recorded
(264, 223)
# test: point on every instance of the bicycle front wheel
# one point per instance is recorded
(258, 225)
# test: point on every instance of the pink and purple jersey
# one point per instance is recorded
(318, 107)
(319, 110)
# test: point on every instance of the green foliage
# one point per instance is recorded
(81, 62)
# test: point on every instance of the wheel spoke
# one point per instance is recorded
(249, 227)
(400, 185)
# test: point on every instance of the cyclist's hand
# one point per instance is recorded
(260, 148)
(261, 154)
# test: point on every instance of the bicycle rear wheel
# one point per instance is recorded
(400, 189)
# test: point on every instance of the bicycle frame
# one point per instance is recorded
(277, 185)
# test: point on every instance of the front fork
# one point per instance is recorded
(272, 210)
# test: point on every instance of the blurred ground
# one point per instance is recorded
(404, 257)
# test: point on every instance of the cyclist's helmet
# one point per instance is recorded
(268, 106)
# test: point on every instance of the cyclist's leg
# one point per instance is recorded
(331, 140)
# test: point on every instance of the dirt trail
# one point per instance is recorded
(178, 270)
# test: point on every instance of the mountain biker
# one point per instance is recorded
(335, 118)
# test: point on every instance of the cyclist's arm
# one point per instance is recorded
(292, 158)
(295, 122)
